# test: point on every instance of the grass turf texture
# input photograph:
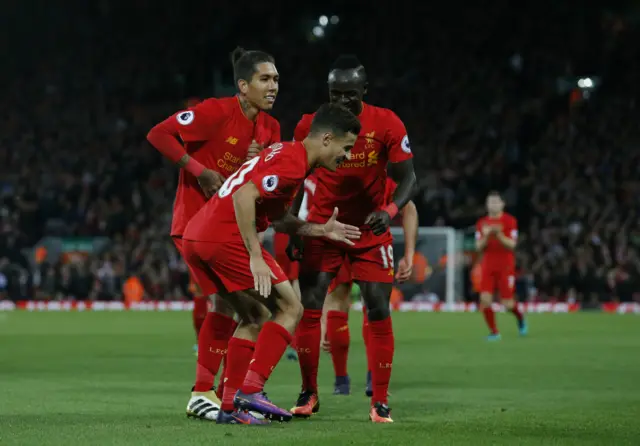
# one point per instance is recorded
(124, 378)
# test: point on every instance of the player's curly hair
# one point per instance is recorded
(335, 118)
(244, 62)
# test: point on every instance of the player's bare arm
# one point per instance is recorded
(332, 229)
(405, 177)
(244, 204)
(295, 248)
(410, 229)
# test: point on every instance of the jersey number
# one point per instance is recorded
(387, 256)
(237, 178)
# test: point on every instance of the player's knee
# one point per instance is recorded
(508, 304)
(376, 297)
(221, 306)
(314, 288)
(486, 299)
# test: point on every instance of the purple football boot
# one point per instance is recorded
(258, 402)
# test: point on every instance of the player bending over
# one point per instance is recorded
(335, 313)
(210, 141)
(496, 238)
(357, 188)
(223, 252)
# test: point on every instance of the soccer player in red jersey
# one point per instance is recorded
(496, 238)
(224, 253)
(357, 188)
(210, 141)
(335, 313)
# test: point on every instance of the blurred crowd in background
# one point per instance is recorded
(489, 95)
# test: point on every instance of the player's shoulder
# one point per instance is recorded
(270, 121)
(481, 220)
(509, 218)
(215, 105)
(290, 153)
(381, 114)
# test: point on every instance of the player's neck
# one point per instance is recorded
(249, 110)
(313, 152)
(496, 215)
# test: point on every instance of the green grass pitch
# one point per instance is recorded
(124, 378)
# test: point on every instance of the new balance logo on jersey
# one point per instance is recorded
(231, 140)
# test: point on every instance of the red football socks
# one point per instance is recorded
(365, 336)
(212, 348)
(239, 356)
(382, 347)
(308, 345)
(517, 313)
(199, 313)
(490, 319)
(339, 338)
(221, 381)
(272, 342)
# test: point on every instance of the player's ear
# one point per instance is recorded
(365, 87)
(243, 86)
(327, 138)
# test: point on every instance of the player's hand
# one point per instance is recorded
(379, 222)
(262, 275)
(254, 149)
(339, 232)
(486, 230)
(295, 248)
(210, 181)
(404, 270)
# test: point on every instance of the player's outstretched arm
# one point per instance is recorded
(332, 229)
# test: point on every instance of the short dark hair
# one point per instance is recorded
(244, 63)
(346, 62)
(335, 118)
(494, 193)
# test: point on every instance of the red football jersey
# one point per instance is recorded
(217, 134)
(358, 187)
(495, 255)
(277, 173)
(307, 199)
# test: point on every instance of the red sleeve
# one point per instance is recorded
(303, 127)
(279, 173)
(396, 139)
(195, 124)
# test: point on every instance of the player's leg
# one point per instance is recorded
(368, 390)
(200, 301)
(291, 269)
(230, 264)
(507, 297)
(488, 286)
(204, 403)
(272, 341)
(373, 271)
(319, 266)
(239, 354)
(336, 337)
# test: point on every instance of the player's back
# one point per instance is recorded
(277, 174)
(358, 186)
(217, 134)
